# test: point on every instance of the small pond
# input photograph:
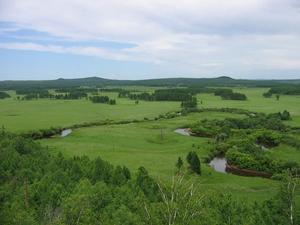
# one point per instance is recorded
(182, 131)
(66, 132)
(218, 164)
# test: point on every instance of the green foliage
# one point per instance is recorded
(179, 164)
(189, 104)
(194, 162)
(4, 95)
(228, 94)
(291, 89)
(267, 94)
(147, 184)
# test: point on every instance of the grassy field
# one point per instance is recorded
(141, 144)
(153, 145)
(257, 103)
(27, 115)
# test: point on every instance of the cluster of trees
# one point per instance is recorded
(123, 93)
(228, 94)
(193, 161)
(247, 150)
(174, 94)
(4, 95)
(36, 94)
(244, 141)
(29, 94)
(189, 104)
(74, 89)
(210, 128)
(39, 188)
(140, 96)
(284, 89)
(285, 115)
(102, 99)
(74, 93)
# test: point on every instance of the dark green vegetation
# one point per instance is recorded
(39, 188)
(194, 162)
(171, 82)
(228, 94)
(284, 89)
(246, 142)
(102, 99)
(124, 164)
(4, 95)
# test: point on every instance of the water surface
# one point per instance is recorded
(66, 132)
(182, 131)
(218, 164)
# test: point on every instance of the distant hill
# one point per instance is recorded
(102, 82)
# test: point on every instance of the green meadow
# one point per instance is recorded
(152, 144)
(156, 146)
(44, 113)
(257, 103)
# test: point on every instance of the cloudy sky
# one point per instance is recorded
(137, 39)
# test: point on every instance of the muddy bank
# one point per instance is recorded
(246, 172)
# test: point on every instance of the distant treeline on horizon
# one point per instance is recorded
(170, 82)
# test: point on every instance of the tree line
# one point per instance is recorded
(228, 94)
(102, 99)
(292, 89)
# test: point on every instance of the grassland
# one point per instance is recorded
(43, 113)
(141, 144)
(257, 103)
(27, 115)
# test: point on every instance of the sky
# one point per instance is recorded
(142, 39)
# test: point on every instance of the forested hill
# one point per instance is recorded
(97, 81)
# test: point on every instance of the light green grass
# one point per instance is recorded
(26, 115)
(141, 144)
(285, 152)
(257, 103)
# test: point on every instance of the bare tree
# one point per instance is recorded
(181, 203)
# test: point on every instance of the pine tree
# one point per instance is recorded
(179, 163)
(194, 162)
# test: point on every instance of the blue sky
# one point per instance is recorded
(136, 39)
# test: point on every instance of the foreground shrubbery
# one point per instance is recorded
(39, 188)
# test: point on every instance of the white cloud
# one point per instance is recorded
(193, 36)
